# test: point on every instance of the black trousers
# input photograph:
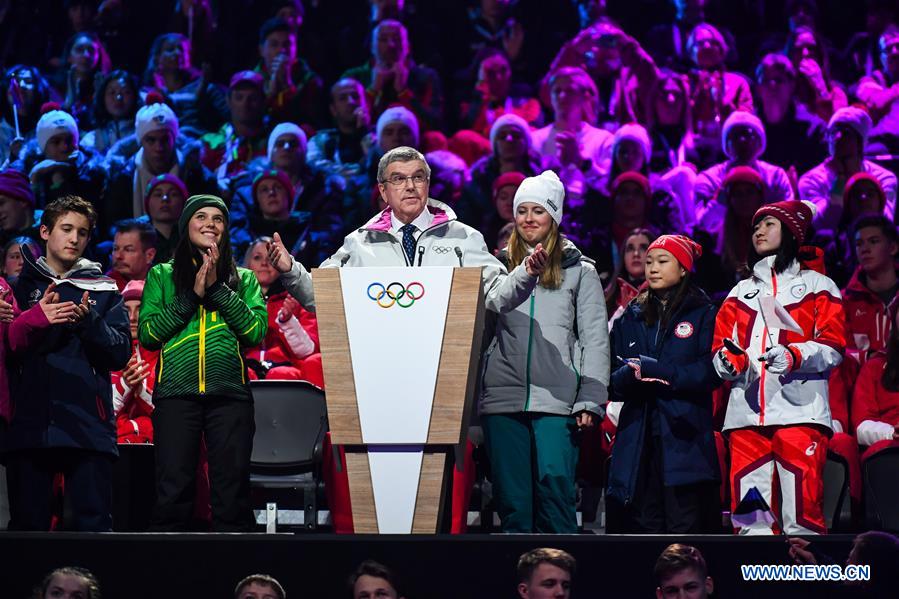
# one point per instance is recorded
(228, 427)
(88, 488)
(659, 509)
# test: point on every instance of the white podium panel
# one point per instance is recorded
(395, 472)
(396, 320)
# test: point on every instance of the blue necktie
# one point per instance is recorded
(409, 242)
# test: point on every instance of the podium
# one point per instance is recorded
(400, 349)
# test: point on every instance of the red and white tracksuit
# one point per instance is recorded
(868, 322)
(778, 425)
(875, 410)
(133, 407)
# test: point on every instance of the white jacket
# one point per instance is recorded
(447, 242)
(760, 398)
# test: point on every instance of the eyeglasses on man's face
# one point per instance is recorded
(400, 181)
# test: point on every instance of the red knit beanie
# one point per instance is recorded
(513, 178)
(632, 177)
(794, 214)
(684, 249)
(279, 176)
(158, 180)
(858, 178)
(14, 184)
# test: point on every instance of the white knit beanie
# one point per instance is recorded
(546, 190)
(853, 116)
(513, 120)
(398, 114)
(54, 122)
(286, 129)
(740, 117)
(154, 117)
(636, 133)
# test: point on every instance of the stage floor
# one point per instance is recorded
(207, 566)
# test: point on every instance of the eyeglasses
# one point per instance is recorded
(400, 180)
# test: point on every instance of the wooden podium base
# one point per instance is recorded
(430, 495)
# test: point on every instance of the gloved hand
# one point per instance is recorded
(778, 360)
(728, 367)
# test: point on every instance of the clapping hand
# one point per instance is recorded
(535, 264)
(6, 311)
(82, 309)
(584, 419)
(288, 308)
(56, 313)
(278, 256)
(136, 372)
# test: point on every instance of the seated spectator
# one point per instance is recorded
(743, 140)
(512, 152)
(86, 61)
(545, 572)
(681, 571)
(500, 213)
(259, 586)
(795, 136)
(68, 581)
(450, 177)
(494, 95)
(133, 251)
(716, 92)
(847, 134)
(156, 133)
(879, 92)
(862, 54)
(815, 90)
(391, 77)
(199, 104)
(132, 387)
(875, 549)
(669, 120)
(666, 42)
(630, 273)
(290, 350)
(397, 126)
(571, 145)
(16, 206)
(293, 92)
(56, 165)
(114, 108)
(227, 151)
(372, 579)
(13, 260)
(26, 90)
(163, 202)
(343, 149)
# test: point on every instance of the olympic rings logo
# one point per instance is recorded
(403, 296)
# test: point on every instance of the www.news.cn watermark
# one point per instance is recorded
(806, 572)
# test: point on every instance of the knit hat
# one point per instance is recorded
(279, 176)
(154, 116)
(14, 184)
(684, 249)
(54, 121)
(636, 133)
(512, 178)
(740, 174)
(247, 78)
(546, 190)
(286, 129)
(854, 117)
(794, 214)
(158, 180)
(469, 145)
(398, 114)
(513, 120)
(740, 117)
(194, 203)
(134, 290)
(855, 180)
(632, 177)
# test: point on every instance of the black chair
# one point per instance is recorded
(836, 489)
(881, 489)
(286, 464)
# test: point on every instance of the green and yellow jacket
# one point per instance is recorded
(201, 341)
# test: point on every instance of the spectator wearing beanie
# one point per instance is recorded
(199, 104)
(56, 165)
(343, 149)
(512, 151)
(28, 92)
(114, 108)
(847, 135)
(795, 137)
(157, 135)
(16, 207)
(392, 77)
(743, 140)
(163, 202)
(502, 212)
(293, 92)
(667, 475)
(227, 151)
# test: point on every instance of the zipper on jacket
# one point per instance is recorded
(527, 370)
(764, 369)
(421, 254)
(202, 358)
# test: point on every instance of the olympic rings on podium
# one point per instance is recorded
(403, 296)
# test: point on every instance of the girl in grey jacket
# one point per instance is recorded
(546, 371)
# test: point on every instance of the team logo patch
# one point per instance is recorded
(797, 291)
(34, 297)
(683, 330)
(751, 294)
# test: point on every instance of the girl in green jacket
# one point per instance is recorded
(201, 312)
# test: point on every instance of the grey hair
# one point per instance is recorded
(401, 154)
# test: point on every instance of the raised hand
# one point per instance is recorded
(200, 280)
(287, 309)
(212, 271)
(56, 313)
(82, 309)
(535, 264)
(136, 372)
(6, 311)
(278, 256)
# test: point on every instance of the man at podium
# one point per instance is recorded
(415, 230)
